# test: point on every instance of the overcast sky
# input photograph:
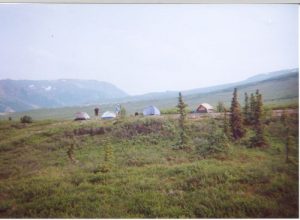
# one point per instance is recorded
(147, 48)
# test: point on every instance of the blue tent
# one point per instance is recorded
(151, 110)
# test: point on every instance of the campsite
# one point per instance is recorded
(122, 111)
(132, 167)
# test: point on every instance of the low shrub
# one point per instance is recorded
(169, 111)
(146, 126)
(26, 119)
(211, 142)
(173, 111)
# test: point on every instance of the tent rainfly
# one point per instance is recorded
(81, 116)
(151, 110)
(108, 115)
(205, 108)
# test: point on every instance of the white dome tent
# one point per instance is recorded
(151, 110)
(108, 115)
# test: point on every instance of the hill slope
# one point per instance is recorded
(21, 95)
(254, 79)
(276, 91)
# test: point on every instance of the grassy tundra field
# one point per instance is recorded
(131, 168)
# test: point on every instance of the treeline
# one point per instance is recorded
(250, 115)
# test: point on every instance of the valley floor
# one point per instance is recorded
(131, 168)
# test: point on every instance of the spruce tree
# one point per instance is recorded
(236, 119)
(70, 153)
(246, 110)
(108, 158)
(123, 112)
(108, 154)
(183, 138)
(259, 140)
(73, 143)
(252, 109)
(220, 107)
(225, 123)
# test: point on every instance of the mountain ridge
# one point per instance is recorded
(23, 95)
(20, 95)
(174, 93)
(278, 91)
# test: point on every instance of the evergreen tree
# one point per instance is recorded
(252, 109)
(108, 154)
(225, 123)
(70, 151)
(246, 110)
(259, 139)
(108, 158)
(183, 138)
(220, 107)
(236, 119)
(211, 142)
(123, 112)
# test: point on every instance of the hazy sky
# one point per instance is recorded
(146, 48)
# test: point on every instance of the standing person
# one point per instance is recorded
(96, 111)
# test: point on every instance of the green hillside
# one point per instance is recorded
(282, 90)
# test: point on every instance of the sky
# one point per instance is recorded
(147, 48)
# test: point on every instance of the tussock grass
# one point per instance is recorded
(148, 179)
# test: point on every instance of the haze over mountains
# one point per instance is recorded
(22, 95)
(253, 79)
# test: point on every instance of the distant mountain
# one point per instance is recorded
(21, 95)
(265, 76)
(281, 90)
(253, 79)
(276, 90)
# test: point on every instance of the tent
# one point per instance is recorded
(205, 108)
(108, 115)
(81, 116)
(151, 110)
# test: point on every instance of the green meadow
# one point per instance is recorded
(131, 168)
